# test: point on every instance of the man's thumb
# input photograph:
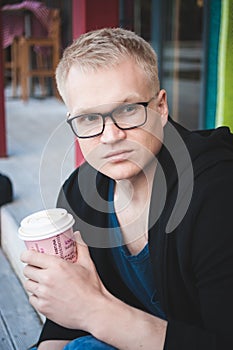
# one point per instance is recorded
(82, 250)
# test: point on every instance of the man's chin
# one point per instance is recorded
(120, 171)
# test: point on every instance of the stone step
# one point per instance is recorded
(20, 325)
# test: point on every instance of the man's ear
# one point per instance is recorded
(163, 106)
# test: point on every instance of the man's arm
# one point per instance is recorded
(126, 327)
(53, 345)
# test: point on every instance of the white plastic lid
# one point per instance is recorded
(45, 224)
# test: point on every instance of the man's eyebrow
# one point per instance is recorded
(128, 99)
(131, 98)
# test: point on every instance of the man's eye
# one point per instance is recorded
(128, 109)
(88, 118)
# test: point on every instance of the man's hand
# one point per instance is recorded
(66, 293)
(72, 295)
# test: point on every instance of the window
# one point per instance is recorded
(175, 30)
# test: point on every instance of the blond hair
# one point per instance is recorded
(105, 48)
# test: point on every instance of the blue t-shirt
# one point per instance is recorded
(135, 270)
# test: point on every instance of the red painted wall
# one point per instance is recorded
(88, 15)
(94, 14)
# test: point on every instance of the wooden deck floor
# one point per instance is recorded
(19, 324)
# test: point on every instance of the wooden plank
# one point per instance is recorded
(21, 322)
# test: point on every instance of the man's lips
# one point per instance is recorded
(118, 155)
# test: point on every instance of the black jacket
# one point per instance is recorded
(190, 237)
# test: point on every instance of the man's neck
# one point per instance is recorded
(132, 203)
(136, 190)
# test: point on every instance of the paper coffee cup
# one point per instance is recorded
(50, 231)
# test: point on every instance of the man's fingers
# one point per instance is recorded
(33, 258)
(32, 273)
(31, 286)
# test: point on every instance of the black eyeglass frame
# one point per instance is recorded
(109, 114)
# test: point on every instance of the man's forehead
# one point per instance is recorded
(121, 84)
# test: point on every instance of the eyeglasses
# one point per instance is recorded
(125, 117)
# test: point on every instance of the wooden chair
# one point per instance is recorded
(11, 64)
(46, 54)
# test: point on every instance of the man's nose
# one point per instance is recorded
(111, 132)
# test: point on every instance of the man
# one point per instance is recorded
(153, 206)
